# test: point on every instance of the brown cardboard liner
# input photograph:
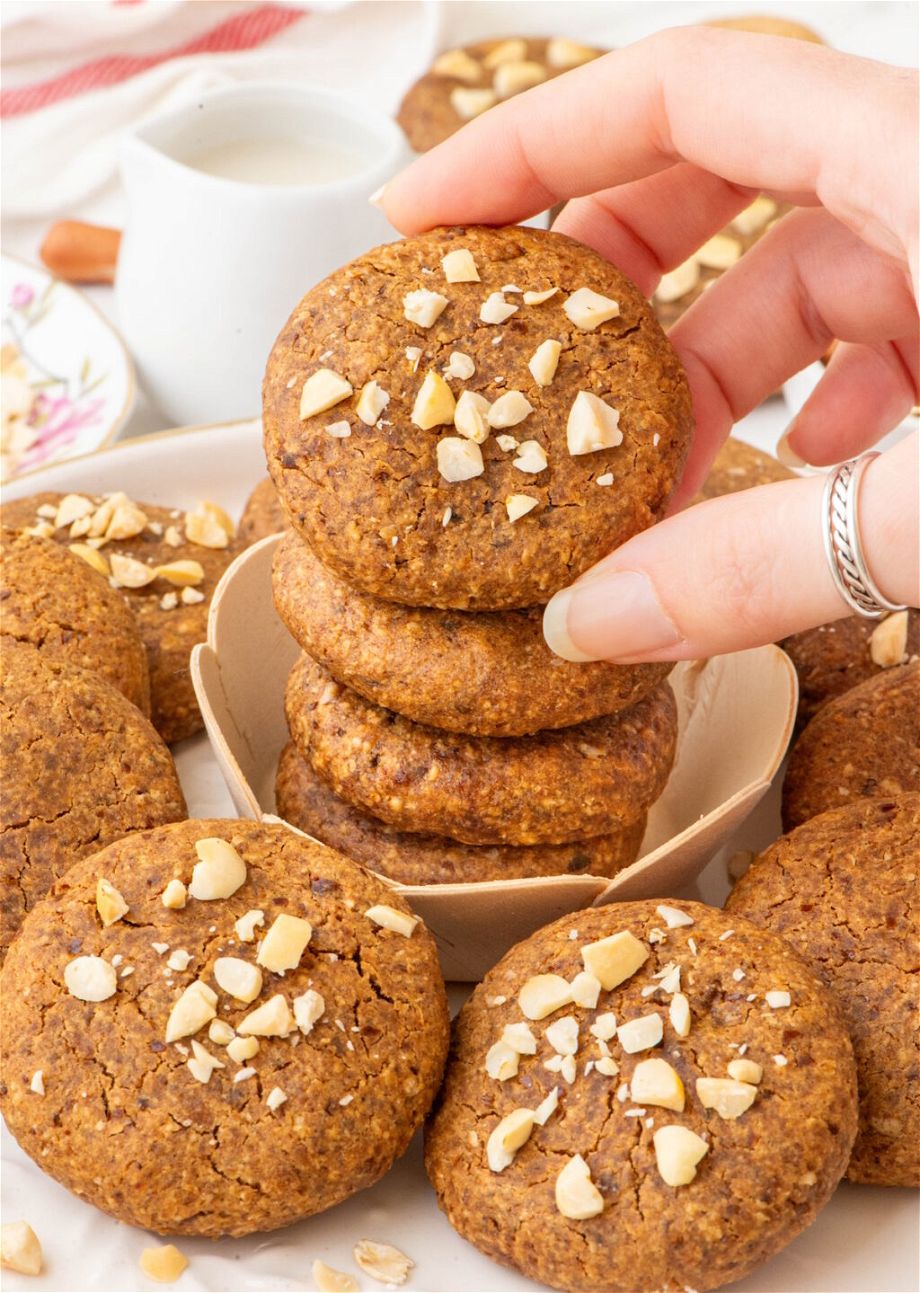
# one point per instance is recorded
(735, 712)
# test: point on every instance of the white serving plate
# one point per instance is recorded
(75, 363)
(865, 1241)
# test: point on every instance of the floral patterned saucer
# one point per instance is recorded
(66, 379)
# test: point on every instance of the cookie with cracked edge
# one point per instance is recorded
(125, 1123)
(485, 673)
(263, 514)
(863, 744)
(304, 800)
(58, 604)
(842, 890)
(81, 767)
(168, 634)
(429, 113)
(549, 788)
(832, 658)
(374, 504)
(764, 1175)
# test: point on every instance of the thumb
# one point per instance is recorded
(737, 571)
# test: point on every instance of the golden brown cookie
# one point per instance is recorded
(832, 658)
(768, 25)
(56, 603)
(549, 788)
(739, 466)
(863, 744)
(304, 799)
(517, 499)
(81, 767)
(171, 608)
(463, 83)
(680, 287)
(263, 514)
(486, 673)
(228, 1065)
(842, 890)
(629, 1107)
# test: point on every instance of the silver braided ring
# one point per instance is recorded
(842, 544)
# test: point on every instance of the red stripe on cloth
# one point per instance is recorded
(243, 31)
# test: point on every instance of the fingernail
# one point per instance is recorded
(610, 617)
(376, 198)
(786, 454)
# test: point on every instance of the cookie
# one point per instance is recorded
(680, 287)
(171, 608)
(463, 83)
(549, 788)
(304, 800)
(263, 514)
(82, 767)
(767, 25)
(739, 466)
(672, 1134)
(232, 1064)
(863, 744)
(832, 658)
(53, 601)
(486, 490)
(842, 890)
(485, 673)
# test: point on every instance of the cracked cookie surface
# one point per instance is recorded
(762, 1175)
(82, 767)
(549, 788)
(169, 628)
(832, 658)
(125, 1122)
(373, 503)
(488, 673)
(53, 601)
(304, 799)
(863, 744)
(842, 889)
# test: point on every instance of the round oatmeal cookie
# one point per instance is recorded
(126, 542)
(842, 890)
(549, 788)
(463, 83)
(738, 466)
(230, 1004)
(832, 658)
(54, 602)
(680, 287)
(643, 1097)
(81, 767)
(486, 673)
(304, 799)
(263, 514)
(863, 744)
(460, 444)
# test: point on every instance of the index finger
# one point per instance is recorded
(729, 102)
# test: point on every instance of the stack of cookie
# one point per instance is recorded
(458, 425)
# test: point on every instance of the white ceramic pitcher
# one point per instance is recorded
(210, 267)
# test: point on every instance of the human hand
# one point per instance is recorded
(658, 146)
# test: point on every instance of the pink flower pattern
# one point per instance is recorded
(65, 405)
